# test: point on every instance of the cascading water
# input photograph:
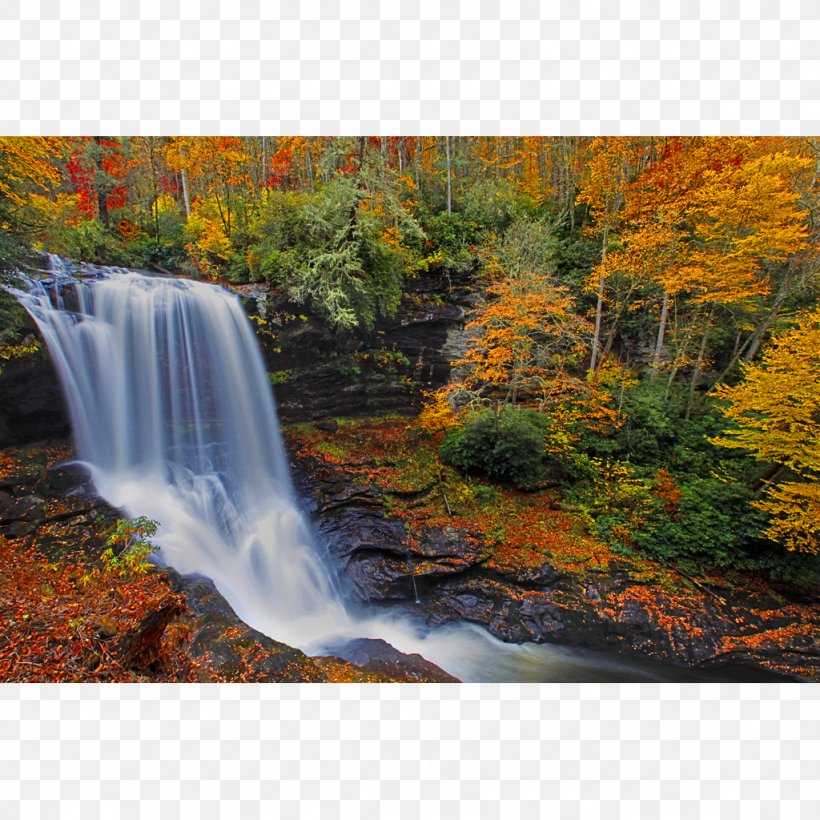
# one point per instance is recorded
(171, 408)
(172, 411)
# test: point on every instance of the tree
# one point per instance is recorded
(613, 161)
(352, 240)
(529, 338)
(528, 344)
(28, 165)
(776, 409)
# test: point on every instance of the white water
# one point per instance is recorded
(172, 411)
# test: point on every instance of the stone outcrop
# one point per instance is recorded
(32, 407)
(441, 576)
(316, 371)
(321, 372)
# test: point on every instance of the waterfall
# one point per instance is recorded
(172, 411)
(171, 408)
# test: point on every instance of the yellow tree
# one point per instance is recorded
(528, 346)
(776, 409)
(702, 224)
(216, 167)
(612, 163)
(28, 163)
(744, 216)
(30, 170)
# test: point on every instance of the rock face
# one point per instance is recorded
(31, 402)
(319, 372)
(378, 657)
(316, 371)
(224, 648)
(441, 576)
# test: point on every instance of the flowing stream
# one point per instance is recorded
(173, 413)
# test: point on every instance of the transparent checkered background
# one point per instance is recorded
(400, 66)
(410, 66)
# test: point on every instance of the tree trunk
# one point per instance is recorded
(101, 185)
(449, 174)
(769, 476)
(656, 358)
(156, 192)
(698, 366)
(309, 167)
(599, 307)
(753, 345)
(748, 350)
(351, 228)
(675, 367)
(139, 647)
(185, 195)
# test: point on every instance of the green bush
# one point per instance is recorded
(509, 445)
(650, 423)
(493, 204)
(712, 524)
(455, 239)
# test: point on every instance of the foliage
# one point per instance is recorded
(528, 344)
(342, 252)
(776, 411)
(615, 284)
(510, 445)
(28, 166)
(695, 519)
(8, 325)
(493, 205)
(129, 547)
(454, 241)
(65, 617)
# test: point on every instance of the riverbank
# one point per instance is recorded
(406, 539)
(405, 528)
(67, 616)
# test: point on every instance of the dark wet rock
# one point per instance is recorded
(326, 372)
(65, 479)
(6, 501)
(440, 576)
(26, 508)
(19, 529)
(327, 426)
(541, 617)
(378, 657)
(31, 402)
(223, 646)
(226, 647)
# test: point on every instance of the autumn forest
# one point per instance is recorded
(575, 377)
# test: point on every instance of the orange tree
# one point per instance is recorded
(528, 346)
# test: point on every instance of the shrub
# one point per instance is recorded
(509, 445)
(702, 520)
(129, 547)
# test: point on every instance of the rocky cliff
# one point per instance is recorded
(316, 371)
